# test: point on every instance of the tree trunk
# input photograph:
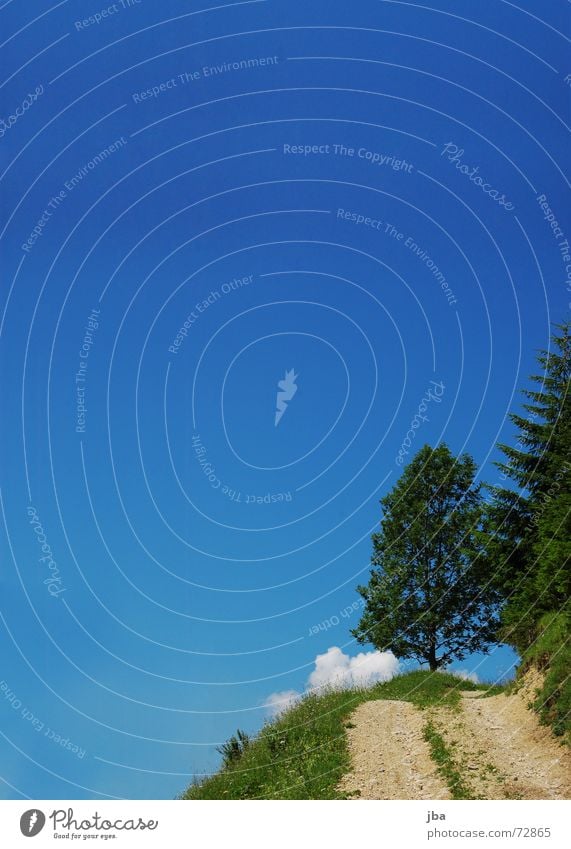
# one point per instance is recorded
(432, 662)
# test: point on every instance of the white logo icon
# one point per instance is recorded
(32, 822)
(287, 389)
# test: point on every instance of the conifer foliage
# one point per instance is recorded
(528, 525)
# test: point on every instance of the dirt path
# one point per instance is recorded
(507, 754)
(496, 744)
(390, 758)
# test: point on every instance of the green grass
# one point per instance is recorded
(303, 754)
(443, 758)
(551, 653)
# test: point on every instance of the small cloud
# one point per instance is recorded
(463, 674)
(278, 703)
(337, 669)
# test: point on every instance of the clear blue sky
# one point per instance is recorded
(183, 222)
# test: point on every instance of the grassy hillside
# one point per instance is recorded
(551, 654)
(303, 754)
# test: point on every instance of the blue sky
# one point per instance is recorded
(197, 200)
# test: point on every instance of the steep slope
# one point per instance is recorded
(420, 736)
(303, 754)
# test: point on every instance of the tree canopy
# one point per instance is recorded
(429, 596)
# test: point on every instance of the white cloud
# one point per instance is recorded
(278, 703)
(339, 670)
(464, 674)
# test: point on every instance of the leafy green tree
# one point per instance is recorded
(528, 526)
(428, 597)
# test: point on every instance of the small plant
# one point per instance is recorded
(233, 749)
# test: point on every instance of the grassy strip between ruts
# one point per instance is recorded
(303, 754)
(441, 754)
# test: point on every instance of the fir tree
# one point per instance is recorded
(528, 527)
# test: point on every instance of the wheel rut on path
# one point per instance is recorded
(495, 744)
